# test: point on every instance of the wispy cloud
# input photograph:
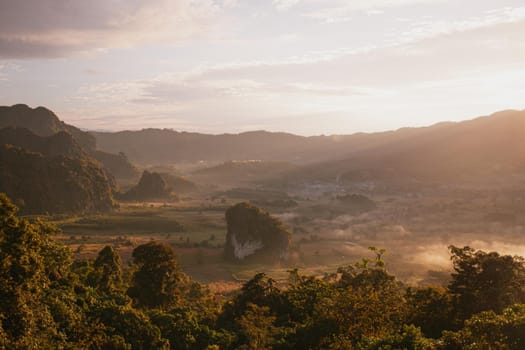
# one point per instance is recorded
(335, 11)
(232, 64)
(433, 28)
(7, 68)
(283, 5)
(49, 28)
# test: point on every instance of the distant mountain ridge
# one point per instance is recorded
(236, 172)
(450, 151)
(156, 146)
(485, 147)
(161, 146)
(490, 147)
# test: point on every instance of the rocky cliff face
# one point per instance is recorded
(254, 234)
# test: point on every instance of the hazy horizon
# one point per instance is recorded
(305, 67)
(189, 130)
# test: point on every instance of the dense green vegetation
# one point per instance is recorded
(54, 184)
(48, 166)
(42, 122)
(49, 300)
(59, 144)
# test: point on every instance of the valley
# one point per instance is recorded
(202, 231)
(414, 228)
(384, 194)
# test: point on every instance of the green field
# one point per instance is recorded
(322, 239)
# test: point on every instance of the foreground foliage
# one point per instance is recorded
(49, 300)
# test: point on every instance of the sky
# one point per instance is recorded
(308, 67)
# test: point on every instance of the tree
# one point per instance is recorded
(107, 274)
(30, 262)
(259, 290)
(128, 324)
(180, 327)
(485, 281)
(361, 302)
(406, 338)
(158, 281)
(429, 308)
(312, 324)
(303, 294)
(257, 328)
(488, 330)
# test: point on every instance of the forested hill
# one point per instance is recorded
(481, 148)
(51, 173)
(43, 122)
(61, 143)
(43, 184)
(487, 149)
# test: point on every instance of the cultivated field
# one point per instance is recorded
(415, 229)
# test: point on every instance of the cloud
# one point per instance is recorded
(450, 47)
(205, 104)
(283, 5)
(55, 28)
(489, 20)
(7, 68)
(424, 69)
(335, 11)
(476, 58)
(187, 89)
